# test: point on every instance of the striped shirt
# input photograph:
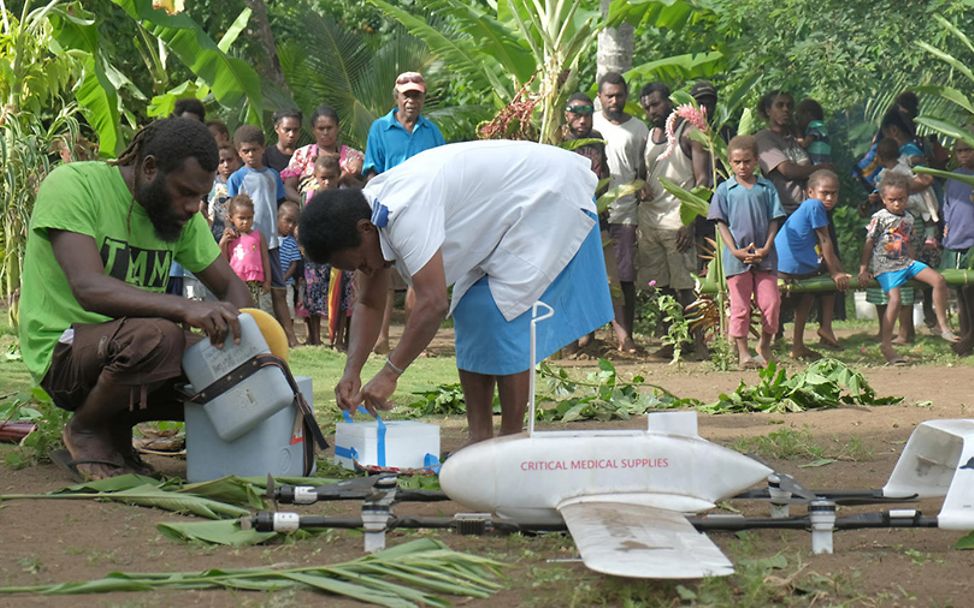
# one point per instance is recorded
(288, 253)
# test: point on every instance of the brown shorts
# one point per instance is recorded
(142, 353)
(624, 247)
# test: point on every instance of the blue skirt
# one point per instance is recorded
(489, 344)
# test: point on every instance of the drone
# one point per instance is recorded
(635, 501)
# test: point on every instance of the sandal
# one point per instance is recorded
(62, 459)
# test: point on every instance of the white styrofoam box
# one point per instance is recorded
(246, 404)
(867, 311)
(407, 442)
(264, 450)
(864, 310)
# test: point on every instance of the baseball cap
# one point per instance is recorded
(703, 88)
(410, 81)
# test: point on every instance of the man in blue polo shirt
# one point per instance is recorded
(402, 132)
(393, 138)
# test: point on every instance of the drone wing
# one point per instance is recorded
(639, 541)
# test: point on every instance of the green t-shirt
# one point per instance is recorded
(91, 198)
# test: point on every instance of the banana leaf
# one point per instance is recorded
(948, 129)
(961, 177)
(825, 284)
(603, 202)
(230, 489)
(692, 202)
(678, 67)
(417, 573)
(219, 532)
(233, 82)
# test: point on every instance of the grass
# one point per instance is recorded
(793, 444)
(761, 579)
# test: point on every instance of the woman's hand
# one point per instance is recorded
(375, 395)
(347, 390)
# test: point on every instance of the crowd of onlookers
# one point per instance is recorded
(260, 189)
(772, 209)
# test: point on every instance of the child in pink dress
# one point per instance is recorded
(245, 247)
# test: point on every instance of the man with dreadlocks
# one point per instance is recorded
(97, 330)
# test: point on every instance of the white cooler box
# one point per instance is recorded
(405, 444)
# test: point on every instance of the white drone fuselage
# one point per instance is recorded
(527, 477)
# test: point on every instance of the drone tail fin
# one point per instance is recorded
(938, 460)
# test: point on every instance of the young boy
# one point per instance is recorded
(290, 256)
(264, 187)
(887, 257)
(748, 211)
(795, 244)
(922, 204)
(959, 240)
(216, 209)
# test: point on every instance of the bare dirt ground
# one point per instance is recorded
(56, 541)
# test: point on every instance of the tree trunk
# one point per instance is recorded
(260, 28)
(615, 47)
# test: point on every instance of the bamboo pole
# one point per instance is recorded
(824, 284)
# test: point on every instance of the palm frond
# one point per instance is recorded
(461, 52)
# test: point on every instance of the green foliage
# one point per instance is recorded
(36, 124)
(218, 532)
(827, 383)
(603, 395)
(658, 310)
(326, 64)
(232, 81)
(441, 400)
(514, 46)
(224, 498)
(416, 573)
(36, 407)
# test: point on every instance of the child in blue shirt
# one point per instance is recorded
(796, 242)
(290, 258)
(264, 187)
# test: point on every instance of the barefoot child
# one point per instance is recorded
(748, 212)
(290, 256)
(887, 257)
(264, 187)
(795, 244)
(216, 208)
(923, 206)
(314, 293)
(340, 297)
(245, 247)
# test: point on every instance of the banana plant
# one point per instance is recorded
(327, 64)
(528, 51)
(960, 109)
(232, 82)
